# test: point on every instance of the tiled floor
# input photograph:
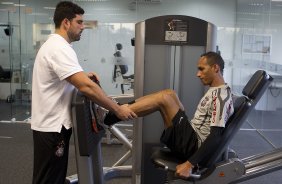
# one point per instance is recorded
(16, 149)
(19, 110)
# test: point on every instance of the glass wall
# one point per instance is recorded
(107, 37)
(257, 46)
(248, 39)
(15, 90)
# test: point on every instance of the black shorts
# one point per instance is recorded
(180, 138)
(51, 151)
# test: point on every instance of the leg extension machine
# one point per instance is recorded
(88, 147)
(230, 169)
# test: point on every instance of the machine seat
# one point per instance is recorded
(128, 77)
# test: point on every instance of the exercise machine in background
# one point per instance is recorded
(121, 71)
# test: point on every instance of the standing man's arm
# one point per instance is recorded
(82, 82)
(93, 74)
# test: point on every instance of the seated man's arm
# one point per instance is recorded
(222, 109)
(204, 152)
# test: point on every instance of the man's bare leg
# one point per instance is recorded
(165, 101)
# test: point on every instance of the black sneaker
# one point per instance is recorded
(106, 117)
(111, 119)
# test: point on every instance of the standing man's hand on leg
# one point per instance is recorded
(125, 113)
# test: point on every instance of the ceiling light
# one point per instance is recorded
(256, 4)
(19, 4)
(7, 3)
(49, 8)
(90, 0)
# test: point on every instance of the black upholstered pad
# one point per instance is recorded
(257, 84)
(165, 159)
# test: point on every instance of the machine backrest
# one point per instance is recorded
(253, 91)
(257, 85)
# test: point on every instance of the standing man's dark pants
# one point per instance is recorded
(51, 150)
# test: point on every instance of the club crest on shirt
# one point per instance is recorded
(204, 101)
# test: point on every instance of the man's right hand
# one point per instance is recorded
(184, 170)
(125, 113)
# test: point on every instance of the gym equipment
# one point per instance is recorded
(167, 49)
(230, 169)
(87, 137)
(8, 30)
(5, 75)
(124, 127)
(121, 69)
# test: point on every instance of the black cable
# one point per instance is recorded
(174, 66)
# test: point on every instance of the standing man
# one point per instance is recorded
(191, 141)
(55, 74)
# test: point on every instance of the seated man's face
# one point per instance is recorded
(206, 72)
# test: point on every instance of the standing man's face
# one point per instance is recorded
(206, 72)
(75, 29)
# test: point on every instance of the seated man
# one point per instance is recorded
(190, 141)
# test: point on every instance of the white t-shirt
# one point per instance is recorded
(214, 109)
(51, 93)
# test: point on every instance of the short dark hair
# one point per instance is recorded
(66, 9)
(214, 58)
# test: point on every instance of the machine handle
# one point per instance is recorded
(94, 79)
(167, 168)
(195, 176)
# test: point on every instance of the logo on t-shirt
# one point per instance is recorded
(204, 102)
(214, 112)
(180, 119)
(228, 111)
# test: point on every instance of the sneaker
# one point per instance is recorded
(100, 114)
(104, 117)
(97, 118)
(111, 119)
